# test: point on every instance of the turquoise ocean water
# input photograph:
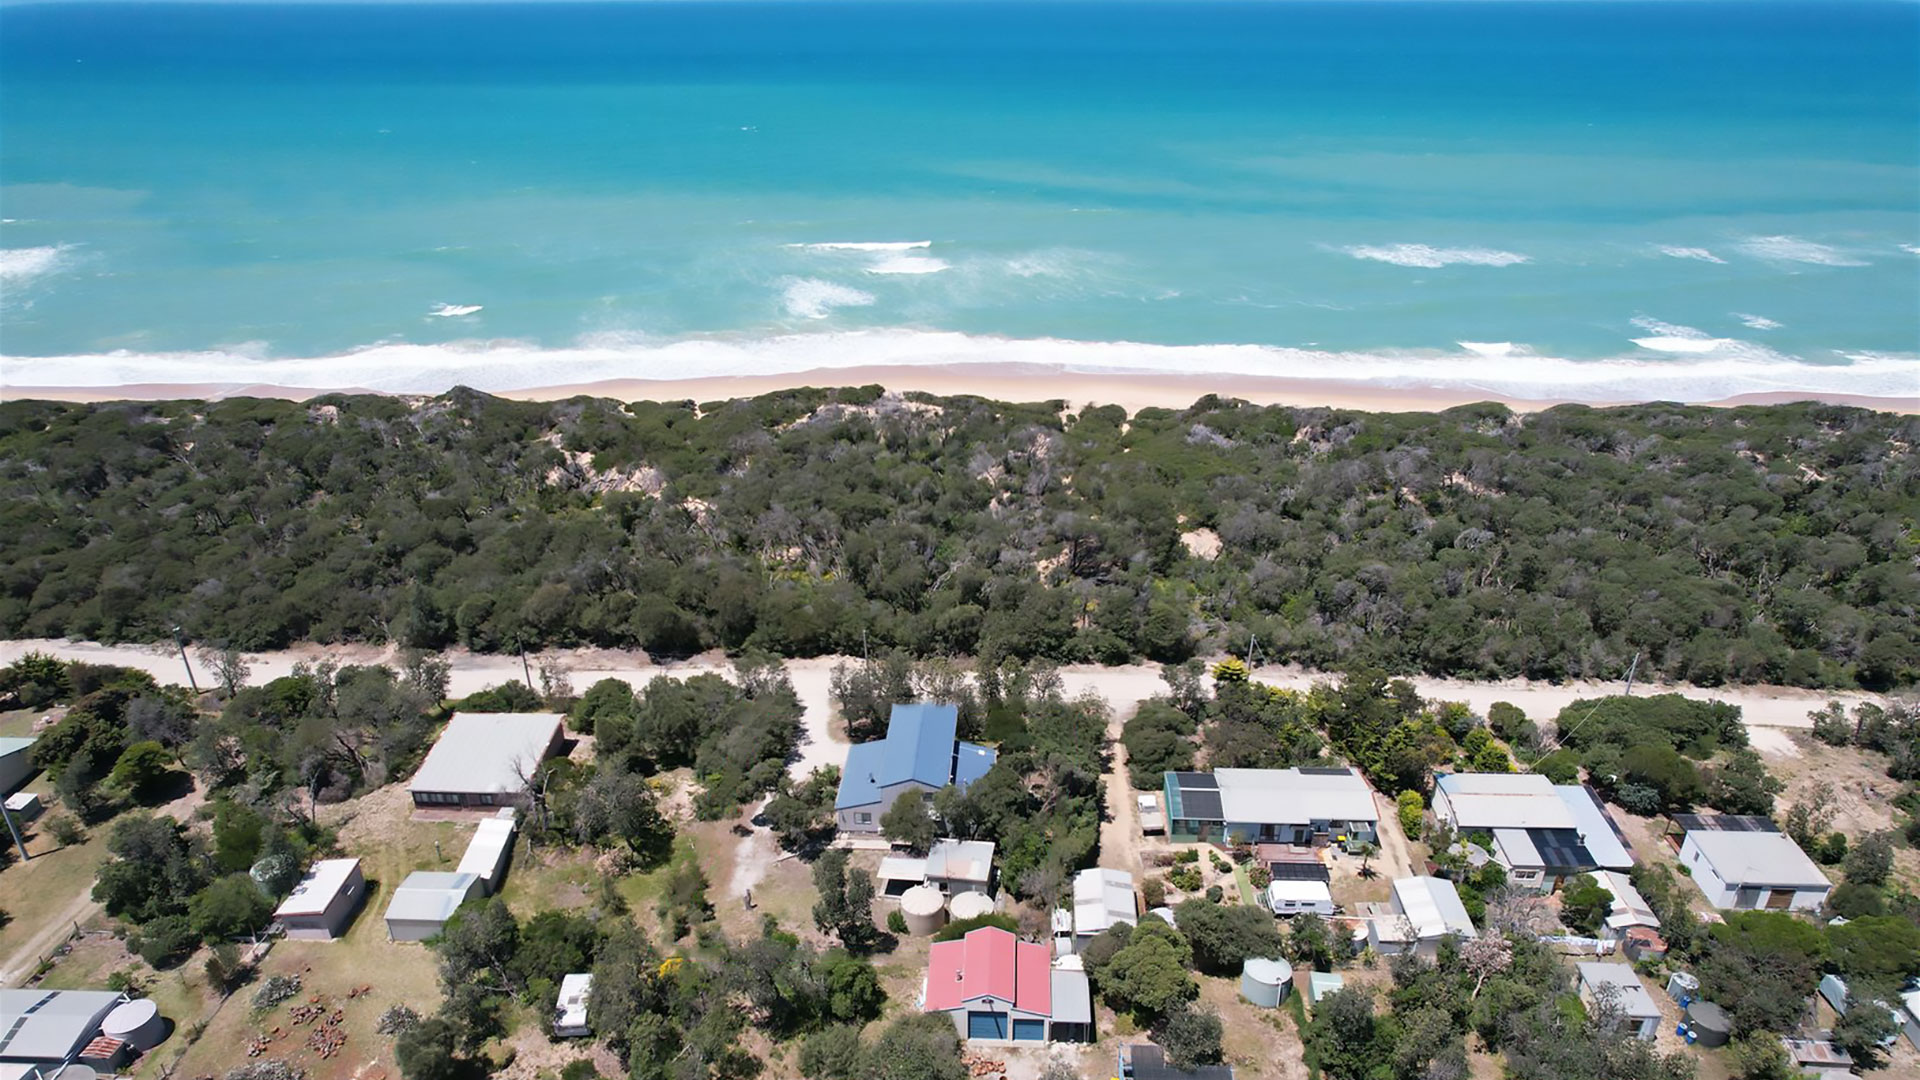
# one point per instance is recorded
(1663, 199)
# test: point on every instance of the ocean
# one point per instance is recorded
(1604, 200)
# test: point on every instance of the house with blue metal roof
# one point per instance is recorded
(921, 752)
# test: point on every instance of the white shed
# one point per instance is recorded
(1747, 870)
(321, 905)
(486, 854)
(1618, 985)
(425, 901)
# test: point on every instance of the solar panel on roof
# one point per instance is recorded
(1561, 849)
(1202, 805)
(1190, 781)
(1725, 823)
(1322, 770)
(1298, 871)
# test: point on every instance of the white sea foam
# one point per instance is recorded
(1432, 258)
(1914, 248)
(23, 264)
(1757, 322)
(1794, 249)
(1695, 253)
(866, 245)
(907, 264)
(812, 298)
(449, 311)
(1487, 348)
(1698, 372)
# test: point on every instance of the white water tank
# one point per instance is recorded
(970, 905)
(136, 1023)
(924, 909)
(1265, 982)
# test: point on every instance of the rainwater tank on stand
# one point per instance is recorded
(1265, 982)
(924, 909)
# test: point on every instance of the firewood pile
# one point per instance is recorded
(329, 1037)
(982, 1066)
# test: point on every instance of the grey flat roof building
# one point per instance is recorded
(485, 758)
(51, 1026)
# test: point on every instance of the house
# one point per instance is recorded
(16, 763)
(1617, 985)
(1543, 833)
(1629, 908)
(920, 753)
(1746, 870)
(1287, 806)
(486, 854)
(997, 988)
(485, 759)
(1101, 899)
(1291, 896)
(951, 867)
(321, 905)
(50, 1027)
(570, 1011)
(1145, 1061)
(1421, 912)
(425, 901)
(1910, 1016)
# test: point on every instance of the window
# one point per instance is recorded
(863, 819)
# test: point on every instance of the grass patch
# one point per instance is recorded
(1246, 886)
(38, 890)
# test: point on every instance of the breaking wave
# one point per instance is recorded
(1432, 258)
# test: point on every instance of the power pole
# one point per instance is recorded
(180, 643)
(1631, 668)
(17, 841)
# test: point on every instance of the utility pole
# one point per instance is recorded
(1631, 668)
(524, 668)
(180, 643)
(12, 828)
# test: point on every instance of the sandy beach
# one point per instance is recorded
(1132, 391)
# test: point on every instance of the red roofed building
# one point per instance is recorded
(999, 988)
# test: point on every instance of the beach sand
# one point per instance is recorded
(1132, 391)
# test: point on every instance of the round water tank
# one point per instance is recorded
(137, 1023)
(1682, 987)
(1165, 915)
(1265, 982)
(77, 1072)
(970, 905)
(1709, 1023)
(924, 909)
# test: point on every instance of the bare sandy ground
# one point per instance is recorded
(1001, 381)
(1123, 687)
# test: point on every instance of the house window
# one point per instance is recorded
(863, 819)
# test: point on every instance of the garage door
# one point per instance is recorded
(1030, 1030)
(986, 1025)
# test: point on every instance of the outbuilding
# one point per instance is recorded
(1605, 985)
(51, 1027)
(1291, 897)
(322, 904)
(1748, 870)
(425, 901)
(16, 763)
(1423, 910)
(485, 759)
(486, 854)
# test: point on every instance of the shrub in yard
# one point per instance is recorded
(66, 830)
(1154, 892)
(1215, 893)
(1411, 807)
(896, 922)
(1188, 855)
(1184, 878)
(1260, 877)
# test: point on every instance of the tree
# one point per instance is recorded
(1862, 1028)
(1191, 1036)
(1741, 784)
(1871, 860)
(832, 1053)
(164, 941)
(908, 823)
(853, 987)
(683, 903)
(1343, 1038)
(1759, 1056)
(1878, 951)
(923, 1047)
(1760, 966)
(1412, 811)
(143, 770)
(231, 907)
(801, 815)
(1148, 976)
(1310, 942)
(845, 907)
(229, 666)
(1224, 937)
(428, 1051)
(1485, 956)
(1584, 905)
(608, 697)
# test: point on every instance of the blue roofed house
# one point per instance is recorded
(920, 753)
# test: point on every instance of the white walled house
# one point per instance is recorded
(1748, 870)
(321, 905)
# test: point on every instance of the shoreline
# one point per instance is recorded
(1013, 382)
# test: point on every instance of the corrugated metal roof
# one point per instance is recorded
(919, 746)
(1629, 992)
(430, 896)
(487, 848)
(1294, 796)
(1072, 999)
(1597, 832)
(989, 962)
(317, 889)
(1504, 801)
(960, 860)
(1102, 898)
(1758, 859)
(486, 753)
(13, 744)
(49, 1025)
(1433, 906)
